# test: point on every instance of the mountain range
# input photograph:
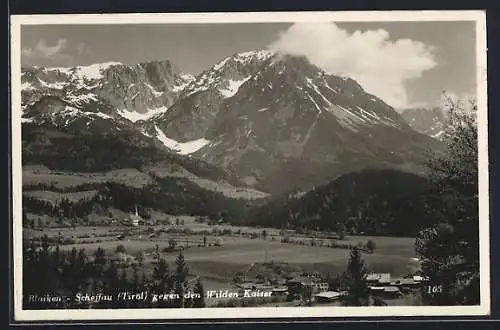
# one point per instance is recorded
(253, 124)
(260, 115)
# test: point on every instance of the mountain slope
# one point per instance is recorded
(117, 169)
(193, 114)
(292, 125)
(373, 202)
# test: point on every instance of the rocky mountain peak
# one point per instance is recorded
(229, 73)
(136, 92)
(429, 121)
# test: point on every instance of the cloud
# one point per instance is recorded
(42, 50)
(380, 65)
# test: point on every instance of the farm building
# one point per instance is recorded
(420, 279)
(320, 286)
(299, 282)
(379, 278)
(280, 291)
(385, 291)
(327, 296)
(404, 282)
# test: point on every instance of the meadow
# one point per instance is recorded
(237, 252)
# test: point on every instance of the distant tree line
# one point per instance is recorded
(169, 195)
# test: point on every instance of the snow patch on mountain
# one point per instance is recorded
(134, 116)
(155, 92)
(72, 111)
(315, 104)
(55, 85)
(233, 87)
(183, 148)
(214, 77)
(93, 71)
(438, 134)
(245, 58)
(374, 116)
(25, 86)
(219, 65)
(260, 55)
(311, 83)
(66, 71)
(81, 99)
(186, 80)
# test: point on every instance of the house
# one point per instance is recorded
(392, 292)
(280, 291)
(327, 296)
(385, 291)
(379, 278)
(420, 279)
(297, 283)
(246, 285)
(404, 282)
(321, 286)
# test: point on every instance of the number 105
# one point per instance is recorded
(433, 289)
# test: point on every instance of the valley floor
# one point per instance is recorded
(224, 256)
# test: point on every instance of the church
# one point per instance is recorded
(135, 219)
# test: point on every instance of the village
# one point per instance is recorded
(270, 277)
(317, 288)
(133, 241)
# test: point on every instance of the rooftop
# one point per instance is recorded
(329, 294)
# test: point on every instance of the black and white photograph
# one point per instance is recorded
(249, 165)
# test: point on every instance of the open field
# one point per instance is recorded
(33, 175)
(217, 265)
(55, 197)
(392, 254)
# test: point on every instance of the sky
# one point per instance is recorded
(407, 64)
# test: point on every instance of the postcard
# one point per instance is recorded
(227, 166)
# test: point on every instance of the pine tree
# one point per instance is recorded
(199, 290)
(161, 277)
(123, 286)
(111, 277)
(99, 262)
(181, 273)
(57, 261)
(30, 269)
(82, 270)
(139, 257)
(135, 284)
(341, 231)
(123, 280)
(358, 293)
